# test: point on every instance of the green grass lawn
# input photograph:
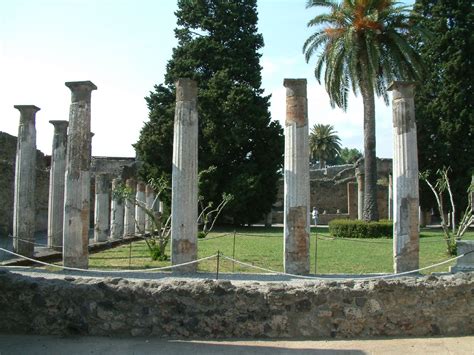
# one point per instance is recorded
(264, 247)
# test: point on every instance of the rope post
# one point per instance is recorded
(315, 249)
(218, 260)
(233, 254)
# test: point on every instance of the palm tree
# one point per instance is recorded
(364, 47)
(324, 143)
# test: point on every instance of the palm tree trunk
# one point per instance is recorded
(370, 159)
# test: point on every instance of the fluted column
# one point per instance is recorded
(25, 182)
(150, 198)
(184, 203)
(56, 185)
(139, 211)
(77, 181)
(390, 197)
(405, 179)
(296, 179)
(129, 215)
(117, 212)
(101, 210)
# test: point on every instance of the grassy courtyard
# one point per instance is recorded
(264, 247)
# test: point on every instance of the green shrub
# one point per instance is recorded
(346, 228)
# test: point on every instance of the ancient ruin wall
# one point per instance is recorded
(217, 309)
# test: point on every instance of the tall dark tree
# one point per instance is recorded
(240, 148)
(364, 47)
(444, 100)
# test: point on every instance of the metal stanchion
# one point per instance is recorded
(233, 253)
(218, 259)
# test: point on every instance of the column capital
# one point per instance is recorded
(295, 87)
(59, 124)
(186, 89)
(402, 89)
(27, 110)
(81, 90)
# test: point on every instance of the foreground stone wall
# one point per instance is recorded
(217, 309)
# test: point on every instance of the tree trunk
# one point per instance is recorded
(370, 165)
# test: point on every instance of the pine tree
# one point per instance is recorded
(240, 148)
(444, 100)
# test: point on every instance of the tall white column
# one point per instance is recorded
(129, 214)
(405, 179)
(25, 182)
(78, 180)
(139, 211)
(101, 210)
(117, 212)
(184, 196)
(296, 179)
(150, 198)
(390, 197)
(56, 185)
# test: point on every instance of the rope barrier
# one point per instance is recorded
(384, 241)
(259, 235)
(109, 271)
(348, 278)
(217, 237)
(31, 242)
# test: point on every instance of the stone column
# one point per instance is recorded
(351, 200)
(25, 182)
(184, 195)
(129, 215)
(360, 193)
(117, 212)
(150, 198)
(77, 181)
(296, 179)
(390, 197)
(101, 210)
(139, 211)
(56, 185)
(405, 179)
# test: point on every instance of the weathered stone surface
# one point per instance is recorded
(77, 181)
(129, 214)
(56, 185)
(102, 208)
(405, 179)
(116, 213)
(25, 182)
(139, 211)
(360, 192)
(296, 177)
(220, 309)
(466, 263)
(150, 200)
(184, 194)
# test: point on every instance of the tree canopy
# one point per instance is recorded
(363, 45)
(240, 148)
(324, 143)
(444, 100)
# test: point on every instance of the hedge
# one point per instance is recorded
(346, 228)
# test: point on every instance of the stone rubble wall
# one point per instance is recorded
(425, 306)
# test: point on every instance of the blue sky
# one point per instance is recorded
(123, 46)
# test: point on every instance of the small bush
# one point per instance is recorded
(346, 228)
